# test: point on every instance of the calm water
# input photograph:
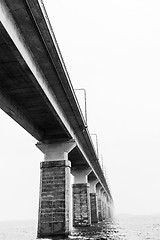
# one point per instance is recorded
(123, 228)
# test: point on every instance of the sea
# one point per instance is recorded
(123, 227)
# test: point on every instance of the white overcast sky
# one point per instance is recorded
(112, 49)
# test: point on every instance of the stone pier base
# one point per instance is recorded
(81, 205)
(54, 199)
(99, 209)
(103, 210)
(93, 203)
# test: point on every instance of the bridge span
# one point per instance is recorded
(35, 91)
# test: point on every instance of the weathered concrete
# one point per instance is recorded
(110, 209)
(93, 201)
(99, 209)
(55, 196)
(94, 208)
(103, 203)
(81, 205)
(81, 198)
(54, 199)
(98, 188)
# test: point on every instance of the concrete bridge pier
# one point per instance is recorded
(106, 206)
(98, 188)
(81, 199)
(93, 201)
(110, 210)
(103, 203)
(54, 204)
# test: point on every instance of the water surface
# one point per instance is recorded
(124, 227)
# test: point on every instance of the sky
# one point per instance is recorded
(112, 50)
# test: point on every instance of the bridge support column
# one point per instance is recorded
(81, 200)
(93, 201)
(99, 202)
(106, 207)
(54, 207)
(110, 210)
(103, 204)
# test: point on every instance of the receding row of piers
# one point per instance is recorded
(66, 202)
(38, 94)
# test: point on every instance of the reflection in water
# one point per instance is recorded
(105, 230)
(123, 228)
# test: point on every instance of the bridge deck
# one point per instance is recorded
(35, 89)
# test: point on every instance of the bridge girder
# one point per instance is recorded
(35, 89)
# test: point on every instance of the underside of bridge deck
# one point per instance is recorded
(35, 89)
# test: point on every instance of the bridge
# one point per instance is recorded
(36, 91)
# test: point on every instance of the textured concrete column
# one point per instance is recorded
(103, 203)
(93, 201)
(54, 207)
(107, 206)
(109, 212)
(98, 187)
(81, 200)
(110, 209)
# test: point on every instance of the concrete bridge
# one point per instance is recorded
(35, 90)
